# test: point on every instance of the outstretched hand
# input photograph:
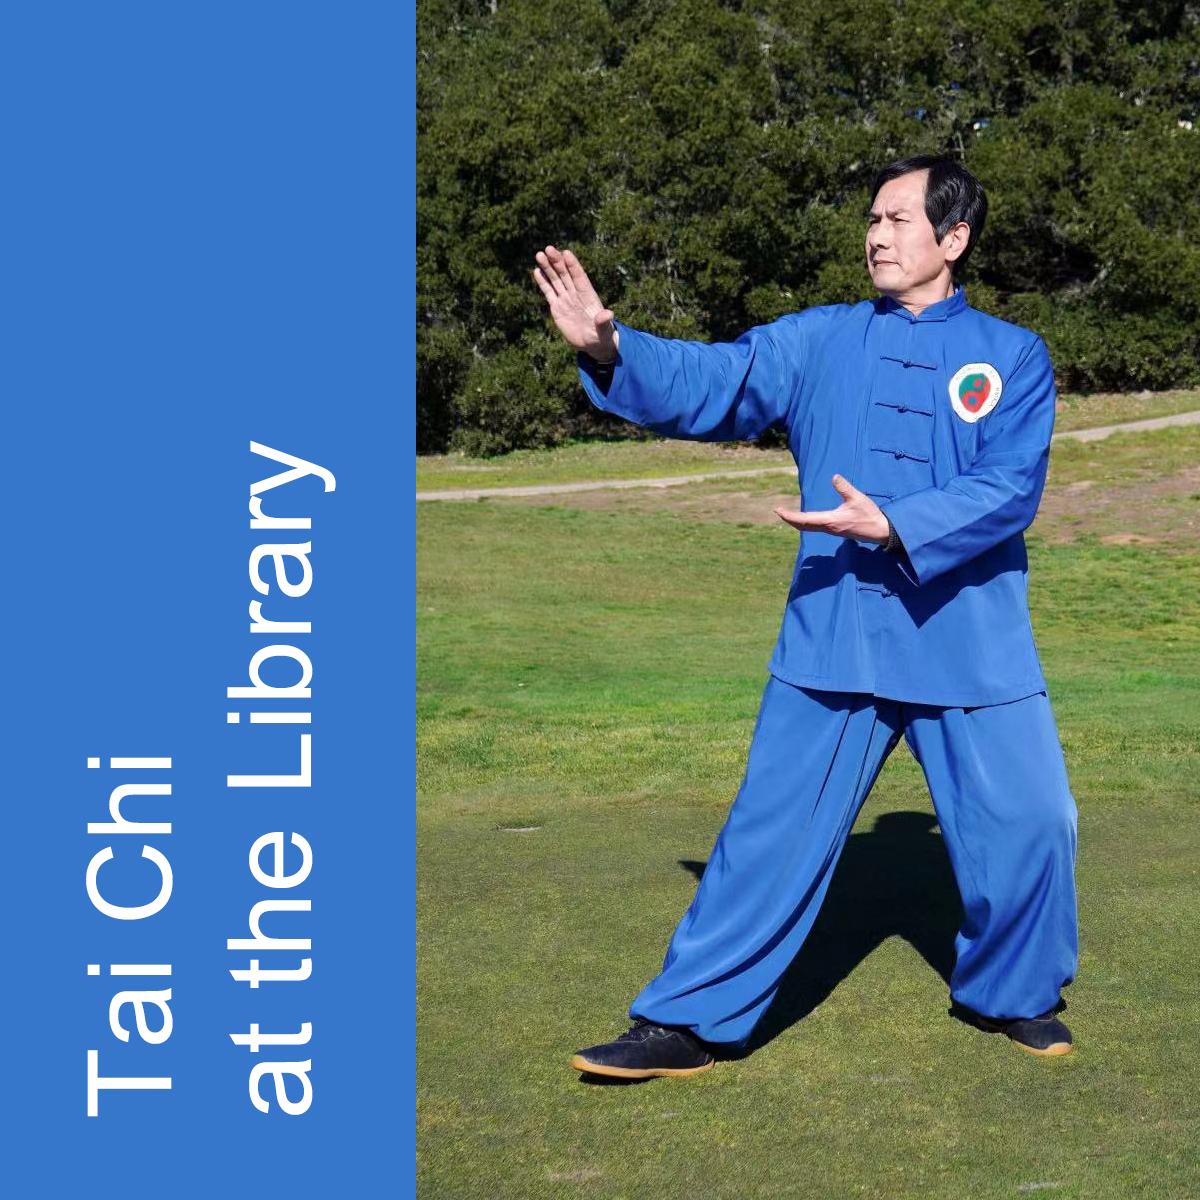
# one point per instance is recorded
(858, 516)
(577, 311)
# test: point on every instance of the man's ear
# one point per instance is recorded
(955, 241)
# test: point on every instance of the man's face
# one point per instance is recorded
(902, 249)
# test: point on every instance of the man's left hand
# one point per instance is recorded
(858, 516)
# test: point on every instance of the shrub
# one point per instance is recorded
(709, 163)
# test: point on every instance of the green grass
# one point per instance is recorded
(557, 689)
(631, 459)
(637, 459)
(1086, 412)
(1125, 457)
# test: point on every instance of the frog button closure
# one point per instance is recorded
(901, 422)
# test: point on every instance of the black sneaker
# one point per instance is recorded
(645, 1050)
(1045, 1035)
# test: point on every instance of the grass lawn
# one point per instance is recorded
(1105, 408)
(629, 459)
(576, 757)
(643, 460)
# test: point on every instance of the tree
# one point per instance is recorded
(710, 163)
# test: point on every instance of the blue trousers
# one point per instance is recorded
(999, 787)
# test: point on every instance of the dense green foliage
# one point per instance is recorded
(709, 163)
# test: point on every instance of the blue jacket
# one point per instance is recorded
(943, 419)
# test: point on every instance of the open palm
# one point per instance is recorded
(858, 516)
(578, 312)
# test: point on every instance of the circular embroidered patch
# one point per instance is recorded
(975, 390)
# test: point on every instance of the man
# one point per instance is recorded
(921, 429)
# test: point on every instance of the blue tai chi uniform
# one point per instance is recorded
(944, 419)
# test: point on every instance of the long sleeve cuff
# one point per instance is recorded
(893, 545)
(600, 373)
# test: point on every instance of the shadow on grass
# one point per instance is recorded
(892, 881)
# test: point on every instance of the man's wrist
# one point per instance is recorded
(893, 545)
(601, 374)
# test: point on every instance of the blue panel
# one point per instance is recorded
(208, 245)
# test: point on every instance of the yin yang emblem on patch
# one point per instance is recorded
(975, 390)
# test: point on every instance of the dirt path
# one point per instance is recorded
(1102, 431)
(599, 485)
(666, 481)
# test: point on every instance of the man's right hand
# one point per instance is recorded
(577, 311)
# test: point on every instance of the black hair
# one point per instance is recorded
(952, 194)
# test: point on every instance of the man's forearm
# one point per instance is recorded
(680, 388)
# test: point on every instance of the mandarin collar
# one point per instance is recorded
(941, 311)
